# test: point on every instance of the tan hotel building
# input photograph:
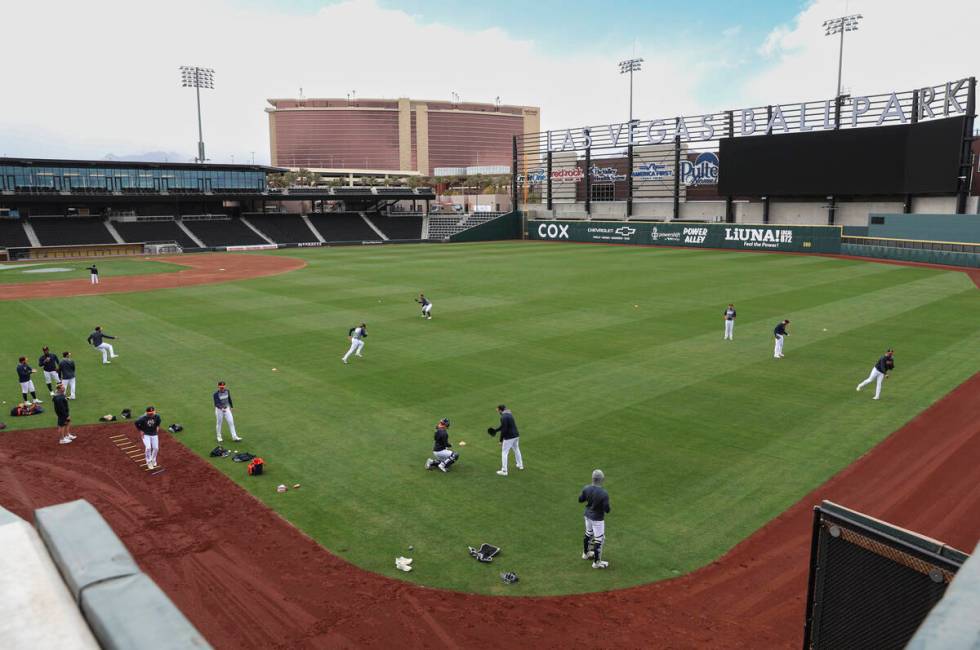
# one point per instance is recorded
(396, 136)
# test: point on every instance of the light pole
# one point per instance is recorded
(630, 66)
(839, 26)
(191, 76)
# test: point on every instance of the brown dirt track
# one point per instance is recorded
(203, 268)
(247, 578)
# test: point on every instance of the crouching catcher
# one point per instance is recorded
(443, 456)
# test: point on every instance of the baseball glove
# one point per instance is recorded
(490, 431)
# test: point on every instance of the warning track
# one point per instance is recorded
(202, 268)
(248, 579)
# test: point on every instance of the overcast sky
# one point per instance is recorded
(85, 79)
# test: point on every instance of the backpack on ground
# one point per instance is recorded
(255, 467)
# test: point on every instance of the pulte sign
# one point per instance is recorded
(800, 239)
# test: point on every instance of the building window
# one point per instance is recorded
(603, 191)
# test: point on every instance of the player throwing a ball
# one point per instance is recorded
(596, 501)
(879, 372)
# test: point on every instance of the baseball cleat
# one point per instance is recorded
(858, 389)
(220, 440)
(37, 401)
(65, 440)
(344, 360)
(72, 436)
(429, 463)
(588, 556)
(442, 467)
(601, 564)
(501, 472)
(875, 398)
(520, 467)
(237, 439)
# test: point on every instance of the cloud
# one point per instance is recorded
(898, 46)
(102, 77)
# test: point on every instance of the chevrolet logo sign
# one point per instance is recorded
(625, 231)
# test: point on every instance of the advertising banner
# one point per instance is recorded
(800, 239)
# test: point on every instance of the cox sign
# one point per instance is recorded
(553, 231)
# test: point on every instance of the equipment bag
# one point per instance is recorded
(255, 467)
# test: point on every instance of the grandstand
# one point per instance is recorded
(153, 230)
(222, 231)
(399, 228)
(71, 231)
(282, 228)
(344, 227)
(443, 227)
(12, 234)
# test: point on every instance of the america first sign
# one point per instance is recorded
(947, 100)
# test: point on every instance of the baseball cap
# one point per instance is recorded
(151, 409)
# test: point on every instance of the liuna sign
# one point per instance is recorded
(801, 239)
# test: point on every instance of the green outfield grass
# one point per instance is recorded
(610, 357)
(38, 271)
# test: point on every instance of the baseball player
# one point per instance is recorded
(148, 425)
(60, 403)
(509, 439)
(426, 306)
(780, 333)
(879, 372)
(442, 454)
(596, 501)
(67, 371)
(356, 336)
(49, 364)
(730, 322)
(96, 339)
(222, 411)
(93, 273)
(24, 373)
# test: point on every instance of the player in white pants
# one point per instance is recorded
(443, 456)
(222, 411)
(780, 333)
(729, 315)
(356, 336)
(879, 372)
(67, 371)
(96, 339)
(148, 425)
(596, 501)
(509, 439)
(93, 273)
(426, 306)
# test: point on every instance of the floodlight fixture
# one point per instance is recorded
(841, 25)
(629, 66)
(196, 77)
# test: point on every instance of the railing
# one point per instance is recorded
(914, 244)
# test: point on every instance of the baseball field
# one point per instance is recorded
(609, 357)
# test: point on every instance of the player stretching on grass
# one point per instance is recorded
(426, 306)
(879, 372)
(596, 501)
(95, 338)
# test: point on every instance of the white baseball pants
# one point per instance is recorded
(69, 385)
(51, 377)
(95, 278)
(513, 443)
(356, 345)
(222, 415)
(152, 445)
(729, 329)
(27, 386)
(427, 309)
(107, 352)
(876, 375)
(595, 529)
(442, 455)
(778, 351)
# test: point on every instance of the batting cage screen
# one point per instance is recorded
(871, 584)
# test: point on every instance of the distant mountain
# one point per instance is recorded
(150, 156)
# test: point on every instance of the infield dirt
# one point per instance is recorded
(247, 578)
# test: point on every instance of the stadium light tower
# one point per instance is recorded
(630, 66)
(839, 26)
(191, 76)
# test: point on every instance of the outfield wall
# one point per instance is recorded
(800, 239)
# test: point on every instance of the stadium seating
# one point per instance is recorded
(442, 227)
(71, 231)
(399, 227)
(343, 227)
(282, 228)
(224, 232)
(153, 231)
(12, 234)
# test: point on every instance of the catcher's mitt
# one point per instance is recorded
(490, 431)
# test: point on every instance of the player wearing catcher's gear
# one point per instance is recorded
(24, 373)
(148, 425)
(49, 364)
(729, 315)
(60, 403)
(96, 339)
(93, 273)
(509, 439)
(443, 456)
(356, 336)
(596, 501)
(879, 372)
(67, 371)
(222, 411)
(426, 306)
(780, 333)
